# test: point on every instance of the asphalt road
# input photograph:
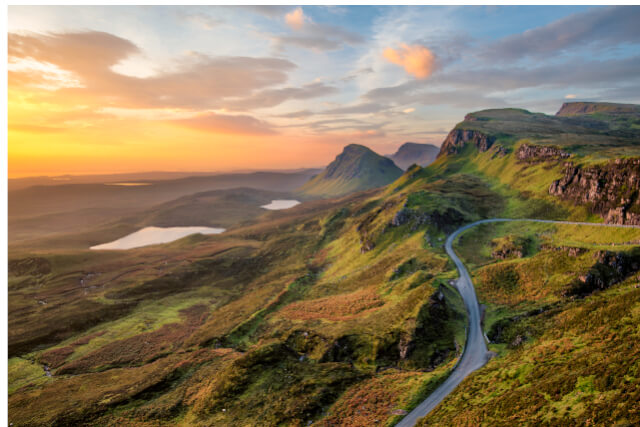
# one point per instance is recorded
(475, 353)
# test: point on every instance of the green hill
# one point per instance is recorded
(343, 312)
(357, 168)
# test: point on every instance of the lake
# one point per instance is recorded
(153, 236)
(276, 205)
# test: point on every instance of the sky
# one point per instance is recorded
(115, 89)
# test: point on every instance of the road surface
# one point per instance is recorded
(475, 353)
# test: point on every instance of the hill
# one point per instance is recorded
(357, 168)
(570, 109)
(343, 312)
(41, 210)
(411, 153)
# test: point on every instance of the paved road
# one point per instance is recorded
(475, 353)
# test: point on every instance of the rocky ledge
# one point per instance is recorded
(458, 138)
(610, 189)
(538, 153)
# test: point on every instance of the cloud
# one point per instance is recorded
(485, 86)
(314, 36)
(72, 51)
(570, 96)
(265, 10)
(416, 60)
(408, 110)
(300, 114)
(295, 19)
(272, 97)
(363, 108)
(200, 81)
(596, 27)
(354, 75)
(203, 20)
(228, 124)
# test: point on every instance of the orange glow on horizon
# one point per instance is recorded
(86, 143)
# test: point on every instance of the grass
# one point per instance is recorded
(575, 363)
(340, 310)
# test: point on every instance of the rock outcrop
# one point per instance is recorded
(458, 138)
(509, 247)
(610, 190)
(540, 153)
(572, 251)
(609, 269)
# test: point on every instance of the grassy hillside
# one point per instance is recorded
(568, 352)
(342, 311)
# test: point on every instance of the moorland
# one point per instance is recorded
(342, 310)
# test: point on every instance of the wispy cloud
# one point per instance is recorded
(314, 36)
(201, 81)
(598, 27)
(228, 124)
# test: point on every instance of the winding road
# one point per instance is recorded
(475, 354)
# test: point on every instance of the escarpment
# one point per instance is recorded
(536, 153)
(458, 138)
(610, 190)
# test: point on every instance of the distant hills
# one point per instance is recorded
(411, 153)
(570, 109)
(356, 168)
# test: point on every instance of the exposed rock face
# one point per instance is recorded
(572, 251)
(458, 138)
(537, 153)
(509, 247)
(610, 190)
(610, 268)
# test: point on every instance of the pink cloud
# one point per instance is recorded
(416, 60)
(295, 19)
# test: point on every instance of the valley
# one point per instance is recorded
(366, 303)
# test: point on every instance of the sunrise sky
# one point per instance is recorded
(123, 89)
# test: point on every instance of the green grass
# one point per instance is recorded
(24, 372)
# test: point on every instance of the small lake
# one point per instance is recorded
(153, 236)
(276, 205)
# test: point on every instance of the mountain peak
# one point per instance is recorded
(356, 168)
(411, 153)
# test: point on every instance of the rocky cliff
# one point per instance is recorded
(610, 190)
(536, 153)
(458, 138)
